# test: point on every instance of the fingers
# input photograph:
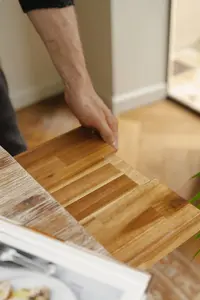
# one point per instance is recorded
(113, 124)
(105, 130)
(107, 134)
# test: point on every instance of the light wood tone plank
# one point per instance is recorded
(86, 185)
(100, 198)
(137, 220)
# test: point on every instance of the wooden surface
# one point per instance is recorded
(23, 200)
(137, 220)
(159, 140)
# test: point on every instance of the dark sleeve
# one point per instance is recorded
(28, 5)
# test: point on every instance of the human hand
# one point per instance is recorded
(91, 112)
(58, 29)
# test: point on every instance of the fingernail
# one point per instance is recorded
(115, 145)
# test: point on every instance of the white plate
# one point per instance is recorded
(25, 279)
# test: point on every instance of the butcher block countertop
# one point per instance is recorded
(137, 220)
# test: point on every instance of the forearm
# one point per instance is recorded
(59, 30)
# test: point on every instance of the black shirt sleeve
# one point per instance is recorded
(28, 5)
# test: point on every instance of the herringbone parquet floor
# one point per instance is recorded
(160, 140)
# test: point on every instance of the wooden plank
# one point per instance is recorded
(137, 220)
(100, 198)
(85, 185)
(69, 147)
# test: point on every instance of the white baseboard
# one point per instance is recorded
(34, 94)
(139, 97)
(121, 103)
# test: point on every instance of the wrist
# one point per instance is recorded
(77, 86)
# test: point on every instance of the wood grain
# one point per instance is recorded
(137, 220)
(26, 202)
(159, 140)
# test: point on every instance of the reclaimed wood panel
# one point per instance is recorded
(137, 220)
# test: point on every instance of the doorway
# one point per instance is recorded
(184, 54)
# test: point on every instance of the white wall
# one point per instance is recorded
(139, 45)
(186, 23)
(126, 49)
(27, 65)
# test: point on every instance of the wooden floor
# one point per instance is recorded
(160, 140)
(45, 120)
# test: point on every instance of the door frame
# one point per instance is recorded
(171, 40)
